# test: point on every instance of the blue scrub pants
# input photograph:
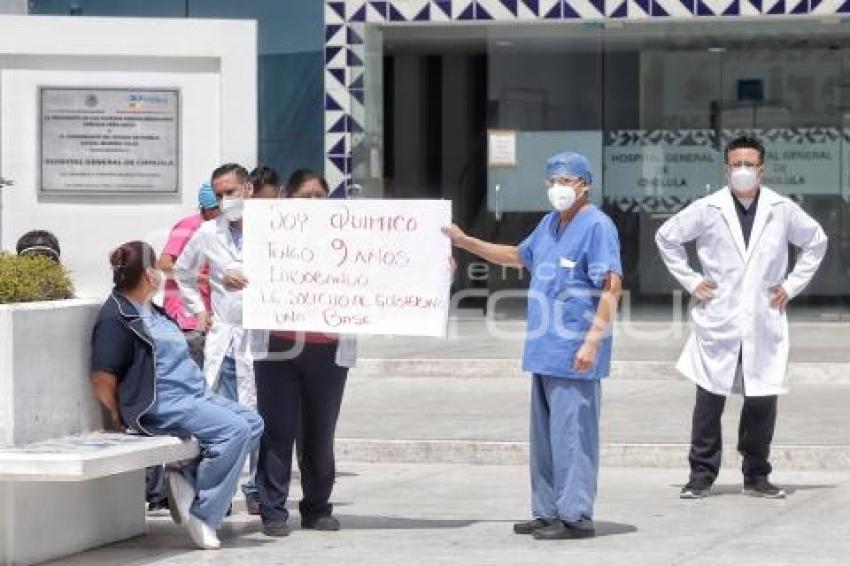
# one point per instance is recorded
(227, 432)
(564, 449)
(228, 388)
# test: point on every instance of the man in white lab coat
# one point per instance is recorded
(739, 339)
(227, 354)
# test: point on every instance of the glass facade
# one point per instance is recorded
(651, 104)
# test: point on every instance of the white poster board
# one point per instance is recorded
(347, 266)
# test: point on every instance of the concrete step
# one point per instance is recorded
(644, 422)
(486, 338)
(801, 372)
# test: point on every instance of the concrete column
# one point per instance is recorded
(13, 6)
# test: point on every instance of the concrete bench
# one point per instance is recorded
(65, 485)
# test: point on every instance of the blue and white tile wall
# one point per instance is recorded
(345, 21)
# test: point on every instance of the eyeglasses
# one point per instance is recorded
(563, 180)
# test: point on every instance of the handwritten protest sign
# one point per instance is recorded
(347, 266)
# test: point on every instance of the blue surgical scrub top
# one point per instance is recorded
(568, 270)
(178, 377)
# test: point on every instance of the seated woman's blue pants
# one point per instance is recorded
(564, 448)
(226, 432)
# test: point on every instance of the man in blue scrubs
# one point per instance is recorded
(576, 279)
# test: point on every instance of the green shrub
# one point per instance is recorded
(25, 279)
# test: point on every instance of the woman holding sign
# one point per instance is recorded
(299, 390)
(576, 278)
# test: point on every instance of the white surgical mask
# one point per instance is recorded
(743, 179)
(562, 197)
(232, 208)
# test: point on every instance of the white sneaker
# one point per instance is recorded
(181, 495)
(203, 535)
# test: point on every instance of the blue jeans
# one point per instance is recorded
(226, 432)
(564, 448)
(228, 387)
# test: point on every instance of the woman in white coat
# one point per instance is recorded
(739, 341)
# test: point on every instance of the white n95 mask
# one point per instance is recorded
(743, 179)
(232, 208)
(561, 197)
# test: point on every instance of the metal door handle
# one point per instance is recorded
(6, 182)
(497, 208)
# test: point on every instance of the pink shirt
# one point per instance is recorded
(173, 302)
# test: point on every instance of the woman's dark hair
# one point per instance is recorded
(39, 242)
(262, 176)
(745, 142)
(301, 176)
(129, 262)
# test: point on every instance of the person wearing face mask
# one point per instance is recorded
(576, 281)
(739, 340)
(300, 386)
(144, 376)
(228, 360)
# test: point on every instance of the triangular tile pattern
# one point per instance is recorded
(344, 34)
(584, 9)
(672, 8)
(551, 9)
(639, 9)
(497, 9)
(335, 35)
(407, 10)
(827, 7)
(750, 7)
(785, 7)
(336, 144)
(334, 12)
(717, 7)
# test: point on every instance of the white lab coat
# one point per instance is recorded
(739, 318)
(212, 243)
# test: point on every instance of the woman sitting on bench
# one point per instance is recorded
(143, 374)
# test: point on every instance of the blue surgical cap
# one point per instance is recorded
(206, 197)
(569, 164)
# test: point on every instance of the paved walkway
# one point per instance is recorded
(644, 422)
(632, 411)
(453, 514)
(475, 338)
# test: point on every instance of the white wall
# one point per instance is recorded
(13, 6)
(212, 62)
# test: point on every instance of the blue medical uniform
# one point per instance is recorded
(226, 431)
(568, 270)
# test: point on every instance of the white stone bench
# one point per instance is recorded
(65, 485)
(90, 456)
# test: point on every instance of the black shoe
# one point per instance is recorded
(695, 489)
(252, 503)
(158, 505)
(322, 523)
(760, 487)
(275, 528)
(558, 530)
(528, 527)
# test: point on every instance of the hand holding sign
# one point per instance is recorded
(359, 267)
